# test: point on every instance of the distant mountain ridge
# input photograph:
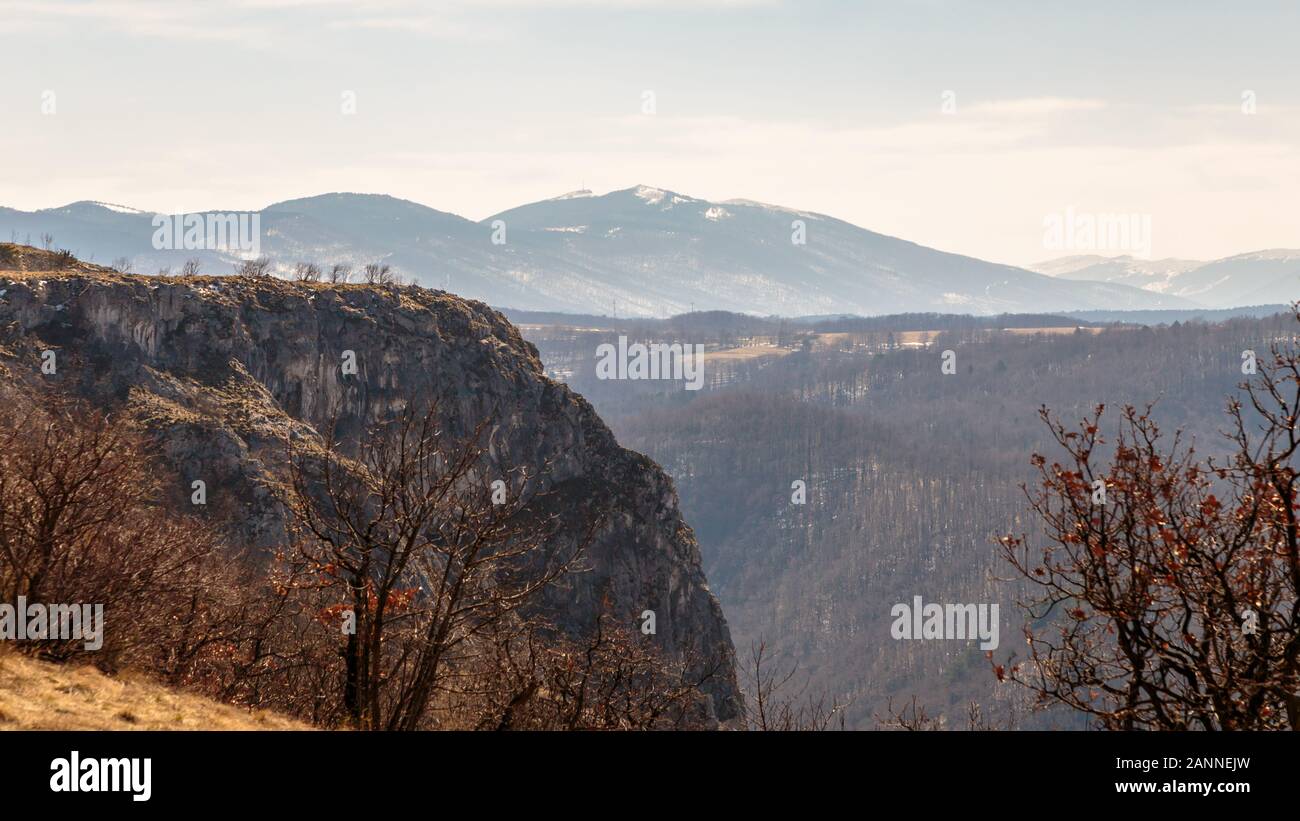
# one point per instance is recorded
(1258, 277)
(640, 251)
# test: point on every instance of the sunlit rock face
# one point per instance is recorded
(222, 369)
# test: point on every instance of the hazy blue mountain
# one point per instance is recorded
(1245, 279)
(639, 251)
(664, 252)
(1260, 277)
(1150, 274)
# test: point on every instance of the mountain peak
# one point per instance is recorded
(652, 196)
(574, 195)
(83, 205)
(341, 198)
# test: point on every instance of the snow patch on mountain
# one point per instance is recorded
(1196, 291)
(651, 196)
(121, 209)
(779, 209)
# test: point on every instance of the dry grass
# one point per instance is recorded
(25, 262)
(37, 695)
(746, 352)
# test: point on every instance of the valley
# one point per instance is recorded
(911, 474)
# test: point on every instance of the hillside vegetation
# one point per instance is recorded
(361, 505)
(911, 474)
(39, 695)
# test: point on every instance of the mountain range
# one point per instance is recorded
(1257, 278)
(646, 251)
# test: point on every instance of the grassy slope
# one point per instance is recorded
(37, 695)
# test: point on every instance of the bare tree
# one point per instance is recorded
(914, 716)
(47, 241)
(377, 274)
(408, 536)
(1167, 590)
(611, 678)
(775, 703)
(306, 272)
(81, 523)
(191, 267)
(260, 267)
(122, 265)
(340, 272)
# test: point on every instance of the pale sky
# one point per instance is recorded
(475, 106)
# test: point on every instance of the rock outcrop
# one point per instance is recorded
(222, 369)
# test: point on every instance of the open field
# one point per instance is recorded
(745, 352)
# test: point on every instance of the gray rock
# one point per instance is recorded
(222, 368)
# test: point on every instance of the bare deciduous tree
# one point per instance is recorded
(914, 716)
(1165, 596)
(81, 522)
(377, 274)
(611, 678)
(260, 267)
(408, 538)
(775, 703)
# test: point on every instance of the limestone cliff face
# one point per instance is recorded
(222, 368)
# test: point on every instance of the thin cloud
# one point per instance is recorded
(1036, 106)
(141, 19)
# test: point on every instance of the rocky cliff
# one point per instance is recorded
(221, 369)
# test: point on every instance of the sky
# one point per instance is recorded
(965, 126)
